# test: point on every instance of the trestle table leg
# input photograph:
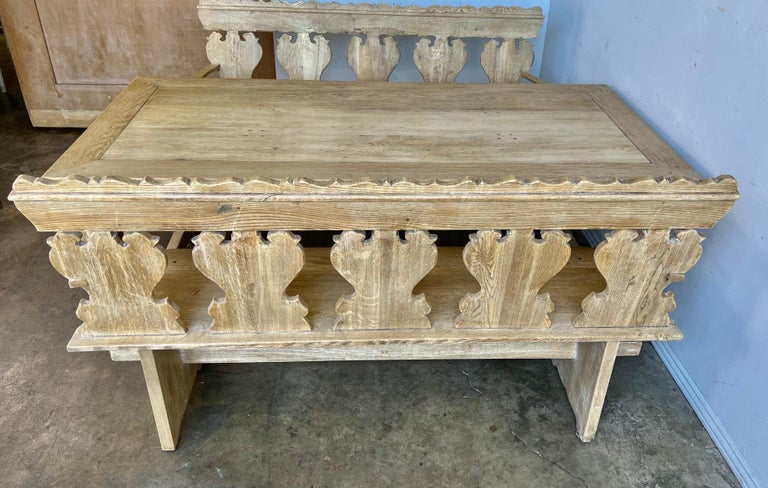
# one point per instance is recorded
(586, 379)
(169, 383)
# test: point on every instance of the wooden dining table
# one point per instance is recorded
(249, 168)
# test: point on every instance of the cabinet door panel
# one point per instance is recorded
(111, 41)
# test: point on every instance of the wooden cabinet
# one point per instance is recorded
(74, 56)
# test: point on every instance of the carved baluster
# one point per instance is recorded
(119, 277)
(511, 270)
(383, 270)
(304, 59)
(441, 61)
(375, 60)
(253, 274)
(236, 57)
(637, 267)
(504, 62)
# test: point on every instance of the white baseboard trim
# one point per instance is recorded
(707, 416)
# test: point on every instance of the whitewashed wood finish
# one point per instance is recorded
(504, 62)
(237, 57)
(303, 58)
(201, 141)
(637, 268)
(586, 379)
(169, 384)
(320, 286)
(441, 60)
(383, 271)
(119, 276)
(331, 17)
(191, 155)
(407, 351)
(375, 60)
(254, 274)
(511, 270)
(438, 63)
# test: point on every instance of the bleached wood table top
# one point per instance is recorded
(186, 147)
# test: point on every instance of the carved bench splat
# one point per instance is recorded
(304, 59)
(503, 62)
(375, 60)
(637, 267)
(253, 274)
(236, 57)
(383, 270)
(441, 61)
(511, 270)
(119, 277)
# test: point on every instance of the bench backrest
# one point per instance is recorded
(372, 52)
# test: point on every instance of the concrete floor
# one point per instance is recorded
(82, 420)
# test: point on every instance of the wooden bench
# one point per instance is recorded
(246, 164)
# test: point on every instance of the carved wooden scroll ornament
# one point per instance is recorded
(440, 61)
(511, 270)
(237, 57)
(503, 62)
(383, 270)
(637, 267)
(119, 276)
(375, 60)
(305, 58)
(254, 274)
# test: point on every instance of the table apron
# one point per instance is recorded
(230, 215)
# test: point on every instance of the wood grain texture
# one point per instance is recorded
(331, 17)
(548, 127)
(50, 39)
(414, 212)
(320, 285)
(120, 40)
(237, 56)
(651, 144)
(206, 71)
(94, 143)
(254, 274)
(400, 351)
(375, 60)
(383, 271)
(504, 62)
(26, 38)
(69, 118)
(441, 60)
(169, 384)
(637, 268)
(586, 380)
(120, 277)
(214, 155)
(305, 57)
(511, 270)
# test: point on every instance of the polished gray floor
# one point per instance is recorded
(80, 420)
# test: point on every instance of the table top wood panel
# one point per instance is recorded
(471, 130)
(567, 156)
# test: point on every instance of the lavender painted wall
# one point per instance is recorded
(697, 71)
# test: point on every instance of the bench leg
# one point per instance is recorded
(169, 383)
(586, 380)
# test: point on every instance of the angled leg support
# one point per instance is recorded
(169, 383)
(586, 379)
